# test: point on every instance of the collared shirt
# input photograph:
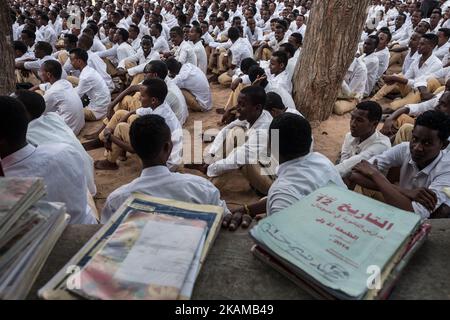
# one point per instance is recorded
(275, 44)
(176, 130)
(253, 149)
(355, 79)
(61, 97)
(441, 51)
(46, 34)
(255, 36)
(193, 79)
(50, 128)
(372, 64)
(414, 73)
(61, 168)
(442, 75)
(240, 50)
(280, 80)
(176, 101)
(409, 59)
(118, 52)
(36, 65)
(200, 53)
(185, 53)
(419, 108)
(92, 84)
(354, 151)
(207, 38)
(286, 97)
(383, 57)
(160, 44)
(141, 61)
(292, 62)
(436, 176)
(298, 178)
(158, 181)
(97, 45)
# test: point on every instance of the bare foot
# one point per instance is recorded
(105, 165)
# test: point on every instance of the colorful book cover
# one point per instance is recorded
(337, 237)
(147, 257)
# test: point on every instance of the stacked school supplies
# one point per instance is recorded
(338, 244)
(151, 248)
(28, 231)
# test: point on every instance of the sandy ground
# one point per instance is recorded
(328, 138)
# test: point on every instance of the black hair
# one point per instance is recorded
(283, 24)
(255, 94)
(14, 120)
(87, 39)
(148, 134)
(289, 48)
(274, 101)
(445, 31)
(156, 88)
(402, 15)
(246, 63)
(29, 33)
(374, 38)
(158, 27)
(197, 29)
(387, 32)
(374, 110)
(20, 46)
(177, 30)
(173, 65)
(435, 120)
(44, 17)
(432, 38)
(233, 33)
(281, 57)
(54, 67)
(294, 134)
(80, 54)
(93, 26)
(34, 103)
(123, 33)
(158, 67)
(73, 39)
(147, 37)
(135, 27)
(298, 37)
(44, 46)
(257, 71)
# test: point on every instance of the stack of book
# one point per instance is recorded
(338, 244)
(151, 248)
(29, 228)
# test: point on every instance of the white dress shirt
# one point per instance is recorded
(118, 52)
(255, 36)
(207, 38)
(50, 128)
(92, 84)
(61, 167)
(442, 75)
(194, 80)
(355, 79)
(417, 109)
(176, 130)
(46, 34)
(280, 80)
(158, 181)
(200, 53)
(441, 51)
(409, 59)
(372, 64)
(292, 62)
(298, 178)
(141, 61)
(253, 149)
(414, 73)
(61, 97)
(383, 57)
(354, 151)
(36, 65)
(160, 44)
(286, 97)
(97, 45)
(185, 53)
(176, 101)
(240, 50)
(436, 176)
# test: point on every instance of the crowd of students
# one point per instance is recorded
(140, 67)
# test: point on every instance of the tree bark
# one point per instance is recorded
(331, 41)
(7, 76)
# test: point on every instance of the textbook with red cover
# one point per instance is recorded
(338, 244)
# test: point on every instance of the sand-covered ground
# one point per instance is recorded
(328, 138)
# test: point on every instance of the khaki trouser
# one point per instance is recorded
(342, 106)
(63, 56)
(259, 177)
(110, 68)
(29, 77)
(396, 61)
(409, 95)
(232, 98)
(89, 115)
(122, 132)
(263, 54)
(377, 195)
(225, 79)
(217, 62)
(403, 119)
(404, 134)
(191, 101)
(129, 103)
(114, 121)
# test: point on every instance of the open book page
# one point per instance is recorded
(148, 257)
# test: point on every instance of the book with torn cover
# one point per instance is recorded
(332, 237)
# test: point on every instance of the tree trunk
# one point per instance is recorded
(331, 41)
(7, 76)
